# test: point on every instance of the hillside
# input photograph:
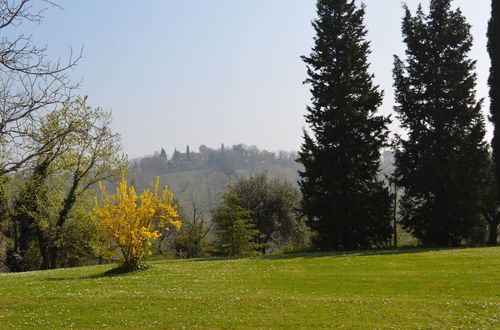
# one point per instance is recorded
(205, 173)
(456, 288)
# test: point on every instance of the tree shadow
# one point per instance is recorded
(113, 272)
(336, 254)
(346, 253)
(214, 258)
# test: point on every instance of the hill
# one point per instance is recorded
(456, 288)
(205, 173)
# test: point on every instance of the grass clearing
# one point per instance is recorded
(457, 288)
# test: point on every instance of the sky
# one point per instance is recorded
(192, 72)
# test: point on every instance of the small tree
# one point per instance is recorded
(274, 210)
(128, 220)
(234, 232)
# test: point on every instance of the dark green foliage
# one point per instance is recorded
(494, 83)
(345, 204)
(235, 234)
(4, 201)
(79, 237)
(442, 164)
(29, 248)
(31, 230)
(274, 210)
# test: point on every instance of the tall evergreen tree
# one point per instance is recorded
(346, 206)
(442, 164)
(494, 82)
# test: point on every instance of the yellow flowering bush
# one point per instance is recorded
(128, 220)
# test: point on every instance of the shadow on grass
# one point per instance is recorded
(213, 258)
(346, 253)
(371, 252)
(338, 254)
(113, 272)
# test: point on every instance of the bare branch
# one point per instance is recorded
(31, 86)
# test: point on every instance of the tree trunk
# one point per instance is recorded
(44, 250)
(395, 217)
(69, 202)
(493, 238)
(160, 251)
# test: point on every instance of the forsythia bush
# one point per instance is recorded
(128, 220)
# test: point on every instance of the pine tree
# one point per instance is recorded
(234, 232)
(443, 162)
(494, 82)
(346, 206)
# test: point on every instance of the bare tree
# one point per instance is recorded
(190, 241)
(31, 85)
(199, 225)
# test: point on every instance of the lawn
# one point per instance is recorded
(458, 288)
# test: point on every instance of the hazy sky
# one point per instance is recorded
(191, 72)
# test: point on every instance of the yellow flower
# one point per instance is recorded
(128, 219)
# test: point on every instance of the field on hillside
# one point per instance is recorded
(457, 288)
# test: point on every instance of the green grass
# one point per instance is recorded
(458, 288)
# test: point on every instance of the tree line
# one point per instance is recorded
(227, 160)
(443, 166)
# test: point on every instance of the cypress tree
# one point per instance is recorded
(442, 164)
(494, 83)
(346, 206)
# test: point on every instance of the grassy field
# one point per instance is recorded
(457, 288)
